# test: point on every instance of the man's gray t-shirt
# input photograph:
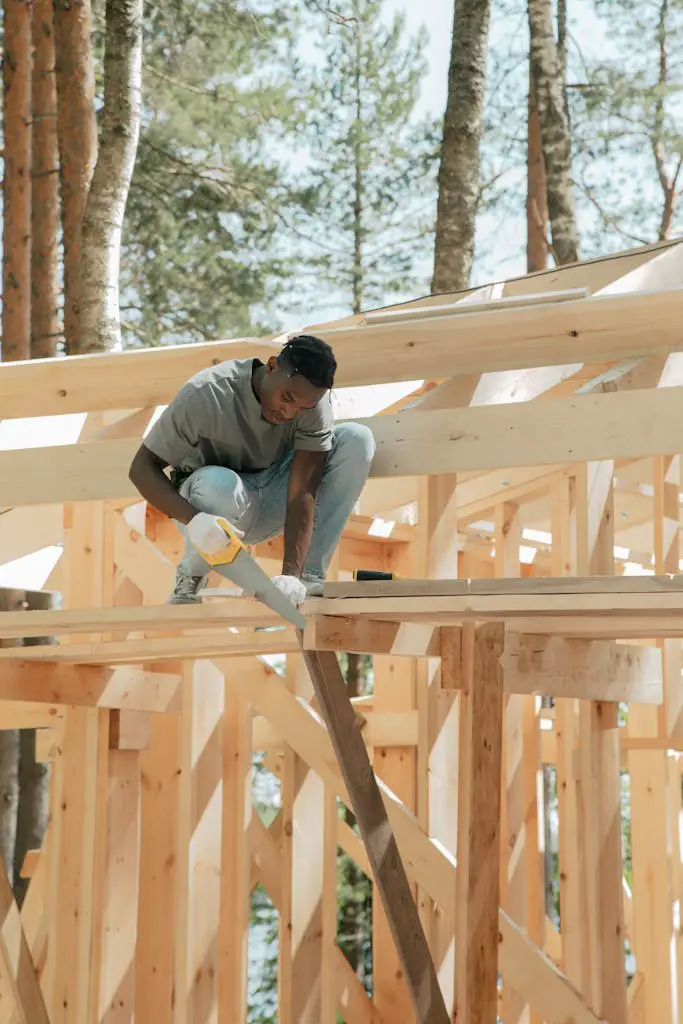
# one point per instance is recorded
(215, 420)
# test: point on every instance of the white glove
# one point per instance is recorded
(292, 588)
(207, 535)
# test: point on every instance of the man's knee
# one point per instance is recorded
(355, 440)
(214, 489)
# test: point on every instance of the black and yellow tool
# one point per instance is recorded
(370, 575)
(236, 564)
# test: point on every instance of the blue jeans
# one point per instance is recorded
(256, 503)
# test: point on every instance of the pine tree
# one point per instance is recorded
(207, 200)
(370, 159)
(626, 118)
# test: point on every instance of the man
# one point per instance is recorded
(256, 444)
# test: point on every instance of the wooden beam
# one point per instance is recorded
(23, 714)
(429, 864)
(589, 427)
(394, 690)
(587, 669)
(336, 633)
(477, 881)
(127, 652)
(116, 1002)
(388, 870)
(74, 936)
(379, 729)
(352, 999)
(130, 380)
(237, 611)
(610, 327)
(25, 530)
(158, 934)
(608, 587)
(266, 861)
(199, 843)
(237, 817)
(86, 686)
(17, 964)
(536, 978)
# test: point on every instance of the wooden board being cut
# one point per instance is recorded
(417, 588)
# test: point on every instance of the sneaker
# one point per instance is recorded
(186, 590)
(314, 587)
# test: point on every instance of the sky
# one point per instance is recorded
(437, 17)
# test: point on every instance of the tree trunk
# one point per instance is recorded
(100, 327)
(10, 601)
(16, 235)
(459, 170)
(9, 796)
(358, 175)
(33, 807)
(45, 184)
(549, 91)
(34, 777)
(536, 200)
(77, 138)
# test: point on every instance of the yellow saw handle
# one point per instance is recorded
(232, 549)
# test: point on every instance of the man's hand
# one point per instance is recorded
(207, 534)
(292, 588)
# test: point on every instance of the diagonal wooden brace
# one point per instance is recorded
(387, 867)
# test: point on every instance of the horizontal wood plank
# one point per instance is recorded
(630, 424)
(604, 585)
(585, 330)
(38, 681)
(213, 644)
(235, 612)
(582, 669)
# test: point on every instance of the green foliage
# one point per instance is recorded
(370, 159)
(263, 962)
(627, 124)
(201, 253)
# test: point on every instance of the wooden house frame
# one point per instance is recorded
(550, 418)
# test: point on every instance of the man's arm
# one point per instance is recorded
(147, 474)
(304, 478)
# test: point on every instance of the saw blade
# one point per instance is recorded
(249, 575)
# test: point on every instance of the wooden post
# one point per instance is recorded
(477, 880)
(370, 811)
(394, 690)
(649, 773)
(233, 932)
(600, 784)
(73, 937)
(301, 946)
(119, 921)
(331, 951)
(18, 971)
(438, 717)
(201, 802)
(158, 932)
(567, 738)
